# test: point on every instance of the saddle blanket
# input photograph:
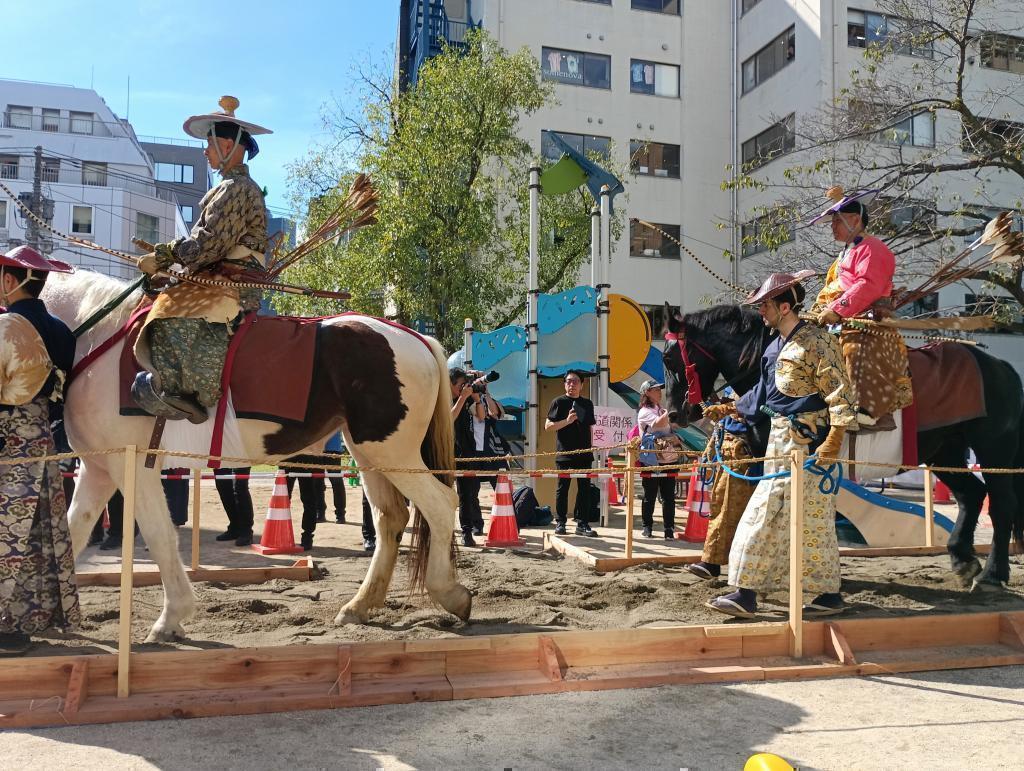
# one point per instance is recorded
(947, 385)
(269, 369)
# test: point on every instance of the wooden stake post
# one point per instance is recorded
(929, 509)
(124, 637)
(630, 465)
(197, 482)
(796, 554)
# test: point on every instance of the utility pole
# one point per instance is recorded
(32, 234)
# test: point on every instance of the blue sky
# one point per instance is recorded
(282, 58)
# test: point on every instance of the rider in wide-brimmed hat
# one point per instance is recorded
(37, 567)
(186, 336)
(859, 284)
(804, 388)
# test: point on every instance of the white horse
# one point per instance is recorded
(383, 386)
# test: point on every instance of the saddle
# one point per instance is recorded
(268, 370)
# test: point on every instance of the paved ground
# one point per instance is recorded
(938, 720)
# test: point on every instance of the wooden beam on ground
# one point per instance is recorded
(344, 681)
(548, 658)
(837, 645)
(78, 687)
(1011, 630)
(300, 570)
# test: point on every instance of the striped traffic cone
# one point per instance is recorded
(942, 493)
(503, 530)
(613, 487)
(278, 536)
(698, 509)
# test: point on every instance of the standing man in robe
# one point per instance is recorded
(38, 590)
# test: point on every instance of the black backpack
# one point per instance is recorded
(528, 511)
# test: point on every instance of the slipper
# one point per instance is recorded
(728, 607)
(700, 570)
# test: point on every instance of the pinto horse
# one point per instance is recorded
(385, 387)
(728, 340)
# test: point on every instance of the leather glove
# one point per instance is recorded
(828, 316)
(828, 451)
(149, 263)
(718, 411)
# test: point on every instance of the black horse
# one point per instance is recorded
(728, 340)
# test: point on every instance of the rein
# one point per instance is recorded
(694, 392)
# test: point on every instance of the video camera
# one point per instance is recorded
(480, 380)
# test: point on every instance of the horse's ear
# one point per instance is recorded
(673, 320)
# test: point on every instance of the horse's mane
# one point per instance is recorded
(733, 321)
(74, 296)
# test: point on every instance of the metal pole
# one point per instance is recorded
(598, 273)
(124, 633)
(602, 287)
(467, 342)
(796, 554)
(595, 245)
(533, 290)
(32, 231)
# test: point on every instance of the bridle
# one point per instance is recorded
(694, 392)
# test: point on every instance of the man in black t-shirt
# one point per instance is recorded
(571, 417)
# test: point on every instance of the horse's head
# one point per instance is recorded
(726, 340)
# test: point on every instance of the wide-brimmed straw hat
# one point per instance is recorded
(27, 257)
(843, 202)
(200, 126)
(776, 284)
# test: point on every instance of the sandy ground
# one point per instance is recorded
(515, 591)
(937, 721)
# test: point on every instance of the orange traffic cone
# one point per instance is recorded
(613, 488)
(278, 537)
(942, 493)
(503, 530)
(698, 509)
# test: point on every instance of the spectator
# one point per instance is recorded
(654, 422)
(176, 493)
(312, 493)
(369, 532)
(467, 407)
(571, 417)
(237, 503)
(493, 444)
(336, 447)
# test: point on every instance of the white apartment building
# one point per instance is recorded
(95, 171)
(709, 84)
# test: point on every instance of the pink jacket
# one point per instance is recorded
(865, 276)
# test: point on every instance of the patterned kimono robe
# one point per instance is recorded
(803, 376)
(188, 331)
(876, 361)
(37, 565)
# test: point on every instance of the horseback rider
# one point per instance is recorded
(859, 285)
(37, 565)
(185, 340)
(804, 388)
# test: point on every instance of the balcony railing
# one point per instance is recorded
(89, 176)
(431, 29)
(63, 124)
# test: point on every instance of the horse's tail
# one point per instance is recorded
(438, 452)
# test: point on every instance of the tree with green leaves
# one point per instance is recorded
(450, 169)
(931, 116)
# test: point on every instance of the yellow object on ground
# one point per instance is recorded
(766, 761)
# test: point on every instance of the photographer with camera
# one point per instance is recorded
(571, 417)
(467, 407)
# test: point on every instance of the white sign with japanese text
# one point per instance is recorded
(613, 425)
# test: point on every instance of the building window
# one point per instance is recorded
(51, 120)
(81, 219)
(576, 68)
(768, 227)
(658, 6)
(8, 167)
(659, 321)
(773, 141)
(586, 144)
(3, 214)
(654, 159)
(864, 29)
(994, 135)
(746, 5)
(81, 123)
(907, 216)
(18, 117)
(1002, 52)
(644, 242)
(653, 78)
(51, 170)
(769, 60)
(186, 214)
(147, 227)
(94, 173)
(917, 130)
(175, 172)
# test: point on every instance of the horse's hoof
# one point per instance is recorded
(986, 586)
(351, 616)
(458, 601)
(968, 571)
(166, 634)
